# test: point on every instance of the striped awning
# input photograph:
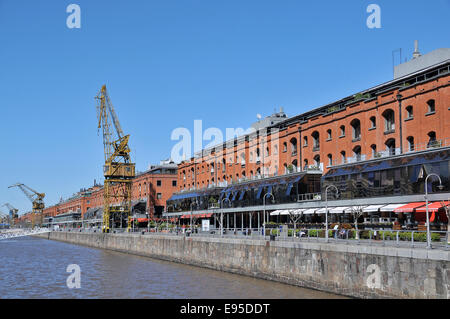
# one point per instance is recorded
(432, 207)
(372, 208)
(409, 208)
(390, 207)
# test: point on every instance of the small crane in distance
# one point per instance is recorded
(37, 199)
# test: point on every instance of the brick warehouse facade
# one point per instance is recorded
(152, 187)
(396, 117)
(377, 148)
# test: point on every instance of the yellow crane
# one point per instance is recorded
(118, 169)
(13, 212)
(37, 199)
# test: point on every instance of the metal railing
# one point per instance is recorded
(389, 238)
(409, 149)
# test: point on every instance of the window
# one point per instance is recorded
(174, 183)
(330, 160)
(389, 121)
(316, 143)
(357, 152)
(275, 149)
(356, 129)
(410, 140)
(373, 122)
(317, 161)
(390, 146)
(329, 136)
(293, 146)
(342, 128)
(409, 112)
(343, 158)
(432, 142)
(305, 141)
(158, 195)
(284, 147)
(158, 183)
(373, 147)
(431, 106)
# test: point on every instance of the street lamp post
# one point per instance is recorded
(326, 208)
(264, 216)
(221, 215)
(426, 199)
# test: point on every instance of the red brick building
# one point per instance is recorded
(400, 116)
(152, 187)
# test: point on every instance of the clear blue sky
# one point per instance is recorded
(168, 63)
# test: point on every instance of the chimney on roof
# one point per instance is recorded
(416, 52)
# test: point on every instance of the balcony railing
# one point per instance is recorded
(392, 152)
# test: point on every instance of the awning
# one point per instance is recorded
(340, 210)
(259, 192)
(391, 207)
(432, 207)
(298, 211)
(275, 213)
(372, 208)
(310, 211)
(141, 220)
(409, 208)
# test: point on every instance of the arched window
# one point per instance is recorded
(431, 106)
(284, 147)
(242, 159)
(317, 160)
(251, 157)
(390, 146)
(409, 112)
(258, 154)
(356, 129)
(267, 152)
(330, 160)
(305, 141)
(389, 121)
(373, 122)
(373, 147)
(329, 135)
(432, 142)
(316, 142)
(294, 164)
(293, 142)
(243, 174)
(305, 164)
(343, 157)
(342, 129)
(357, 153)
(410, 140)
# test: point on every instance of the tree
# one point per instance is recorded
(356, 211)
(295, 217)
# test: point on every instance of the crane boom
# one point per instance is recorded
(37, 199)
(118, 169)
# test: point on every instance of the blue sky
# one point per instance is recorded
(168, 63)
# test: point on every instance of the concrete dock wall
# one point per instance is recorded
(352, 270)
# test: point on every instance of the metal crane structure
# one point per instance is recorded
(37, 199)
(3, 220)
(118, 169)
(13, 212)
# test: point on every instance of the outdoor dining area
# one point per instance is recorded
(402, 216)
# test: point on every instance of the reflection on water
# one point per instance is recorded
(36, 268)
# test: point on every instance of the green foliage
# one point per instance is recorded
(360, 96)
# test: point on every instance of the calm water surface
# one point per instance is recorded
(36, 268)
